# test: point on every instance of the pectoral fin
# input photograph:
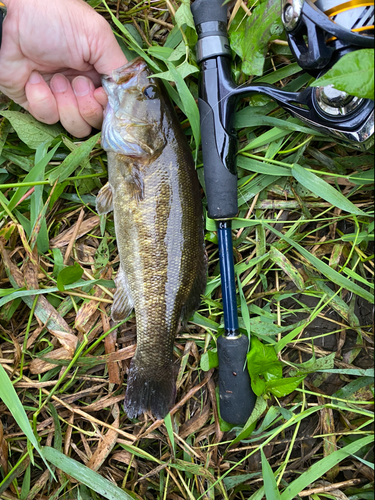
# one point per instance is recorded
(122, 301)
(104, 200)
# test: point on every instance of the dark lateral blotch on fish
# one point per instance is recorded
(154, 193)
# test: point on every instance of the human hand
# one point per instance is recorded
(51, 58)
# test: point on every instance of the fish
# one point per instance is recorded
(154, 192)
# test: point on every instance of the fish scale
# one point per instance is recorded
(155, 196)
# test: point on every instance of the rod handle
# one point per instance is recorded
(237, 399)
(205, 11)
(221, 184)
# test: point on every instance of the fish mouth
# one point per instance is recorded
(130, 70)
(119, 133)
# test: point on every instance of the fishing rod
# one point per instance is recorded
(318, 35)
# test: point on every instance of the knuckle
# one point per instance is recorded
(80, 132)
(92, 112)
(49, 120)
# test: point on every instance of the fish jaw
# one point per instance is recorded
(133, 118)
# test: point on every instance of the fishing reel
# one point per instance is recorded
(319, 34)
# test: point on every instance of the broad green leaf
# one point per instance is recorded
(244, 307)
(209, 360)
(174, 38)
(263, 365)
(84, 475)
(25, 490)
(162, 53)
(179, 51)
(355, 276)
(72, 161)
(322, 466)
(185, 69)
(274, 134)
(233, 481)
(29, 130)
(184, 15)
(22, 161)
(353, 73)
(185, 21)
(251, 37)
(324, 190)
(259, 408)
(69, 275)
(314, 364)
(270, 487)
(283, 387)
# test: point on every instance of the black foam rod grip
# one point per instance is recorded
(205, 11)
(237, 399)
(221, 184)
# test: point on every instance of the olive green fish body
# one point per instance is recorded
(158, 220)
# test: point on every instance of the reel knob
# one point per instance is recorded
(336, 102)
(291, 13)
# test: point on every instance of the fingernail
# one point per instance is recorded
(34, 78)
(81, 86)
(59, 83)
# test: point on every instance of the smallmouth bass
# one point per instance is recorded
(154, 193)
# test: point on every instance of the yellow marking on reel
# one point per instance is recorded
(364, 28)
(344, 7)
(353, 4)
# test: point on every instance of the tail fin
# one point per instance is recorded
(151, 389)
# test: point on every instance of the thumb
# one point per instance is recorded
(107, 55)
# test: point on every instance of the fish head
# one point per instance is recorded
(133, 119)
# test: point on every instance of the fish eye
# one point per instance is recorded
(150, 92)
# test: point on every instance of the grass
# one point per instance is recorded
(303, 245)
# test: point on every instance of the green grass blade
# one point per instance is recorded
(72, 161)
(169, 426)
(9, 397)
(190, 106)
(323, 268)
(32, 176)
(85, 475)
(270, 487)
(324, 190)
(321, 467)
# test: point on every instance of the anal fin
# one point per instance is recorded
(104, 200)
(122, 301)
